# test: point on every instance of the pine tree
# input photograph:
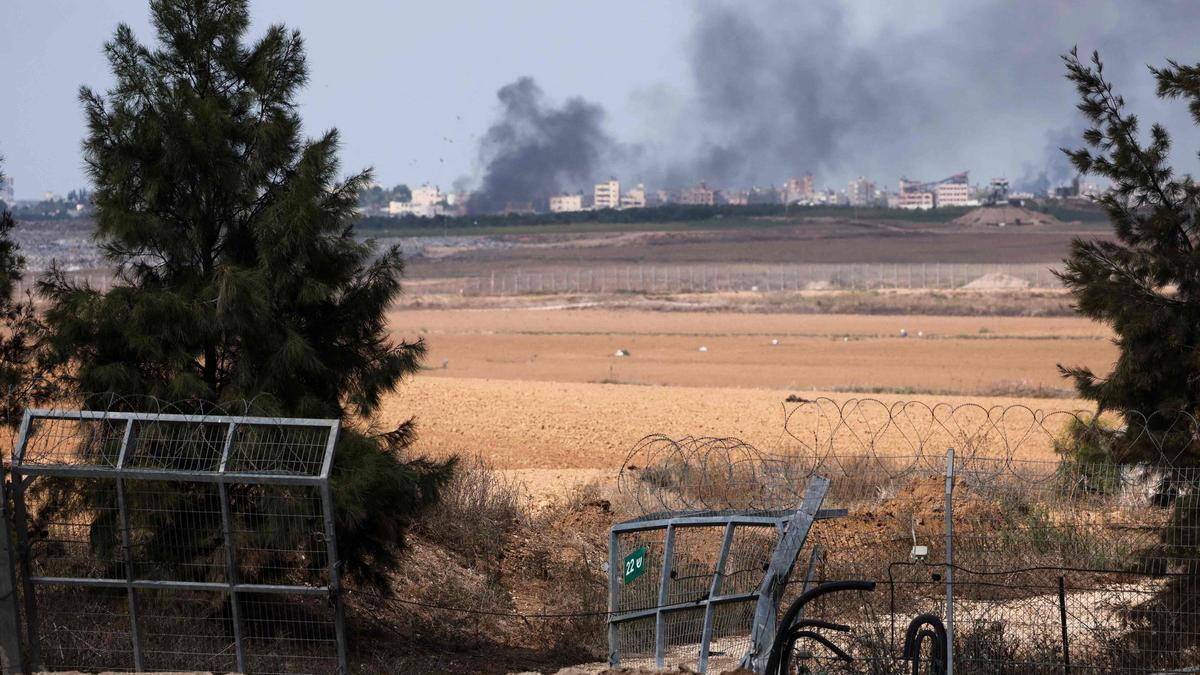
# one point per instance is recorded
(239, 278)
(25, 378)
(1146, 285)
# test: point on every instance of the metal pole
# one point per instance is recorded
(614, 601)
(231, 573)
(664, 589)
(714, 590)
(20, 524)
(10, 642)
(135, 628)
(1062, 619)
(950, 561)
(331, 550)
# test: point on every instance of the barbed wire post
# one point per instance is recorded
(950, 561)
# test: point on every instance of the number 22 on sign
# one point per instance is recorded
(635, 564)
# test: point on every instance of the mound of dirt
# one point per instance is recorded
(997, 280)
(1002, 216)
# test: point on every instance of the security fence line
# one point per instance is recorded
(176, 542)
(734, 278)
(706, 278)
(1035, 556)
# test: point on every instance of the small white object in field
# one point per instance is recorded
(621, 352)
(445, 363)
(903, 333)
(774, 342)
(754, 288)
(845, 338)
(703, 348)
(920, 333)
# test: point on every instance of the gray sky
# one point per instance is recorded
(734, 92)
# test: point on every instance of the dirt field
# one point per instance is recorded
(540, 394)
(816, 240)
(959, 355)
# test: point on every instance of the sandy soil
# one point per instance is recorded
(555, 435)
(967, 355)
(540, 395)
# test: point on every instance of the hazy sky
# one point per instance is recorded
(748, 92)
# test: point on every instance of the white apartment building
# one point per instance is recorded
(798, 189)
(635, 198)
(952, 194)
(860, 192)
(427, 201)
(607, 195)
(566, 203)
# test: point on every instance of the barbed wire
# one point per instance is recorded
(903, 440)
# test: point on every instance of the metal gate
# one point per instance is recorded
(704, 588)
(155, 542)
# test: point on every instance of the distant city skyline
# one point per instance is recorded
(679, 95)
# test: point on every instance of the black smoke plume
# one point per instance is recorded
(536, 149)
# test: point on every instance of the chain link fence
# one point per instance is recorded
(705, 278)
(1038, 556)
(169, 542)
(734, 278)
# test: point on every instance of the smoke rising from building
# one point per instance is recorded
(537, 149)
(779, 88)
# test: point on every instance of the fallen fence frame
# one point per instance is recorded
(674, 602)
(172, 512)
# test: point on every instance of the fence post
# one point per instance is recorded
(10, 642)
(231, 570)
(1062, 619)
(664, 588)
(614, 599)
(21, 519)
(135, 622)
(950, 561)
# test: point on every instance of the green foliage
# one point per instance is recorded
(25, 378)
(1145, 284)
(653, 217)
(378, 197)
(239, 276)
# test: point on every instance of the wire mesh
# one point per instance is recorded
(1076, 537)
(702, 569)
(168, 542)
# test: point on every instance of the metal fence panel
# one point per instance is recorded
(702, 589)
(162, 542)
(1040, 558)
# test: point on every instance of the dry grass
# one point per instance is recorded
(479, 508)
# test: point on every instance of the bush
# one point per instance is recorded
(477, 510)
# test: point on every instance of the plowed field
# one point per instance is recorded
(541, 393)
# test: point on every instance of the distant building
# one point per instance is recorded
(660, 197)
(954, 191)
(767, 195)
(860, 192)
(997, 192)
(427, 201)
(635, 198)
(738, 198)
(6, 190)
(798, 189)
(700, 195)
(607, 195)
(952, 194)
(914, 195)
(566, 203)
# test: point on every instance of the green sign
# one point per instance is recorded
(635, 564)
